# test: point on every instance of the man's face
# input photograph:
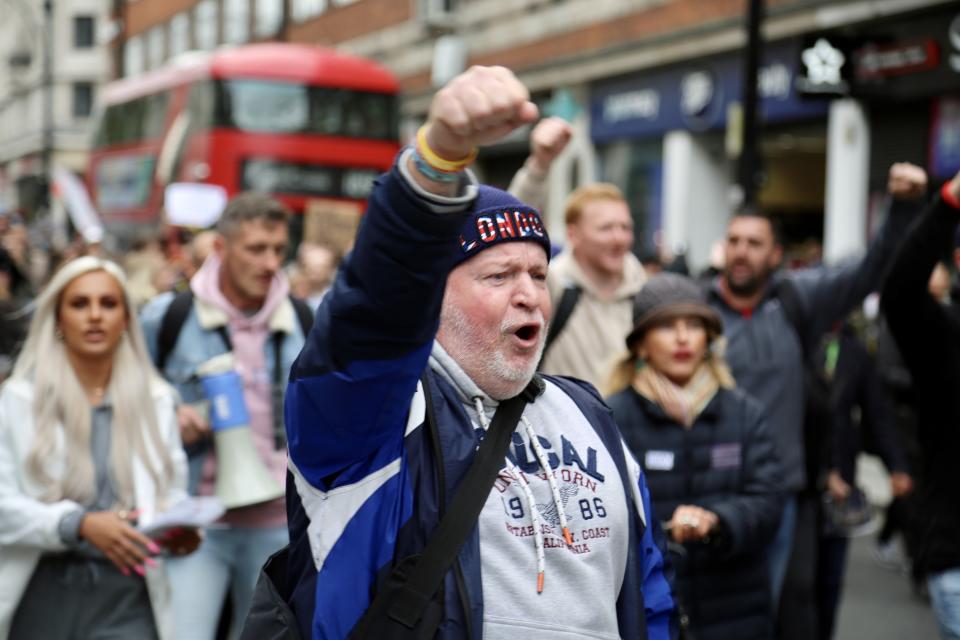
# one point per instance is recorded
(251, 257)
(494, 316)
(318, 265)
(602, 236)
(751, 254)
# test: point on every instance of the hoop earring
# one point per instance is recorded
(58, 334)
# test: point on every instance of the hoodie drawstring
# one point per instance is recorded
(551, 480)
(528, 492)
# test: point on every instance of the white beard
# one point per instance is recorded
(486, 364)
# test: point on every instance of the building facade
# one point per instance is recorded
(53, 112)
(653, 89)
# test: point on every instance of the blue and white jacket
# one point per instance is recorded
(369, 487)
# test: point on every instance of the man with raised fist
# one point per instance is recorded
(420, 364)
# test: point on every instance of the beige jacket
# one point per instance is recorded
(593, 337)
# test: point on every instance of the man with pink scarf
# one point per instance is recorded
(239, 300)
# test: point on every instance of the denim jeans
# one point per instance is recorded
(945, 597)
(778, 552)
(227, 559)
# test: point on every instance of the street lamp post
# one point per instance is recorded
(47, 126)
(748, 171)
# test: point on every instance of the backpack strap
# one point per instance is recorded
(171, 324)
(304, 314)
(568, 302)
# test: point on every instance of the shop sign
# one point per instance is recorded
(696, 96)
(641, 104)
(823, 69)
(873, 61)
(699, 97)
(904, 59)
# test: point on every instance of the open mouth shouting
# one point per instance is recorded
(525, 335)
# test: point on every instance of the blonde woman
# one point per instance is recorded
(89, 448)
(708, 457)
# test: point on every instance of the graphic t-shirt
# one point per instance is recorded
(582, 581)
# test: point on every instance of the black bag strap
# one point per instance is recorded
(426, 576)
(568, 301)
(171, 324)
(304, 314)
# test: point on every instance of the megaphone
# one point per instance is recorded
(242, 477)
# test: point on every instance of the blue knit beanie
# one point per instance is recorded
(499, 217)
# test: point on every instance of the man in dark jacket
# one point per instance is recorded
(847, 385)
(447, 285)
(928, 336)
(766, 345)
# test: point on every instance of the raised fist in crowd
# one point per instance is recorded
(481, 105)
(906, 181)
(547, 141)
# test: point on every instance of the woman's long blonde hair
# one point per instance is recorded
(624, 367)
(61, 409)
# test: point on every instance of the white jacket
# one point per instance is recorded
(29, 527)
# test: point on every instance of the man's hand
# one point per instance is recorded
(691, 523)
(900, 484)
(547, 141)
(124, 546)
(906, 181)
(193, 426)
(480, 105)
(837, 486)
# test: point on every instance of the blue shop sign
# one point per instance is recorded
(696, 96)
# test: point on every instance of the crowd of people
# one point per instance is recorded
(457, 430)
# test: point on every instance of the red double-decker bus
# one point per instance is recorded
(296, 121)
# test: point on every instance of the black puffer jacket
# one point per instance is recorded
(928, 335)
(726, 463)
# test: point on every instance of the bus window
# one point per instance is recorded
(356, 114)
(135, 121)
(123, 181)
(283, 107)
(200, 104)
(272, 107)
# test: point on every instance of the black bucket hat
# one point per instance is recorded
(668, 295)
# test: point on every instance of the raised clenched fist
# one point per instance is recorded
(481, 105)
(906, 180)
(547, 140)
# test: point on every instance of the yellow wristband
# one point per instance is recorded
(440, 164)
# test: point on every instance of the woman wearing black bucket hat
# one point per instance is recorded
(708, 457)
